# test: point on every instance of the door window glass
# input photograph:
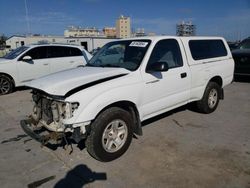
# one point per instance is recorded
(62, 51)
(167, 51)
(75, 52)
(37, 53)
(58, 51)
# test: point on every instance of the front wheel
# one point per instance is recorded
(6, 85)
(210, 99)
(110, 135)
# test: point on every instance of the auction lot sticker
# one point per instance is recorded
(138, 44)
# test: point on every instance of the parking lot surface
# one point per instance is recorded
(181, 148)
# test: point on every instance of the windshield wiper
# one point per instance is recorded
(91, 65)
(109, 65)
(104, 65)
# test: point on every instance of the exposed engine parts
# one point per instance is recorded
(46, 121)
(50, 113)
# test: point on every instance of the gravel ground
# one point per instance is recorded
(180, 148)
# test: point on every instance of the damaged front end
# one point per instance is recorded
(46, 123)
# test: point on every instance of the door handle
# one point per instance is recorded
(71, 62)
(151, 82)
(46, 64)
(183, 75)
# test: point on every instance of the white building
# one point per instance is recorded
(109, 32)
(17, 41)
(89, 43)
(140, 32)
(82, 32)
(185, 29)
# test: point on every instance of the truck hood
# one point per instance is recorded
(66, 82)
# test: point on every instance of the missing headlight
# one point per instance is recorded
(68, 109)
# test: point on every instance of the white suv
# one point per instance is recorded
(30, 62)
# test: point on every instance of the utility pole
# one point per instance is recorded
(27, 17)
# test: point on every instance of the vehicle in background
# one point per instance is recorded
(241, 57)
(105, 103)
(242, 62)
(94, 51)
(112, 55)
(30, 62)
(233, 45)
(244, 44)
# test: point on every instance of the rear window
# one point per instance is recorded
(75, 52)
(62, 51)
(205, 49)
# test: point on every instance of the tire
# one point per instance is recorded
(210, 99)
(6, 85)
(103, 142)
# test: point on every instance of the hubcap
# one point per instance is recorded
(4, 86)
(114, 136)
(212, 98)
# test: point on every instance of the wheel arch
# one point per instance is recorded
(132, 109)
(2, 73)
(217, 79)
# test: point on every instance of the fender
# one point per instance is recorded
(88, 112)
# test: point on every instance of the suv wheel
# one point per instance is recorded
(6, 85)
(110, 135)
(210, 99)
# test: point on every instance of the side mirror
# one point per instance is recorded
(27, 58)
(157, 67)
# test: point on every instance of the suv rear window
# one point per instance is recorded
(205, 49)
(62, 51)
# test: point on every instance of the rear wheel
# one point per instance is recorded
(210, 99)
(6, 85)
(110, 135)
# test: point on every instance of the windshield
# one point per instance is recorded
(125, 54)
(13, 54)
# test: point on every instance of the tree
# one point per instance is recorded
(3, 39)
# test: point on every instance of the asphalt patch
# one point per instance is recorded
(40, 182)
(15, 139)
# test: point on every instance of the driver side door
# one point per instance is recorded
(35, 68)
(166, 90)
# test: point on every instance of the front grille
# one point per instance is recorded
(46, 111)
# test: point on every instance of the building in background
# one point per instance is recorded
(151, 34)
(185, 29)
(89, 43)
(82, 32)
(140, 32)
(16, 41)
(109, 32)
(123, 27)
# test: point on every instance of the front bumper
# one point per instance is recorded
(39, 133)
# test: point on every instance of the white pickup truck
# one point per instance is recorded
(125, 83)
